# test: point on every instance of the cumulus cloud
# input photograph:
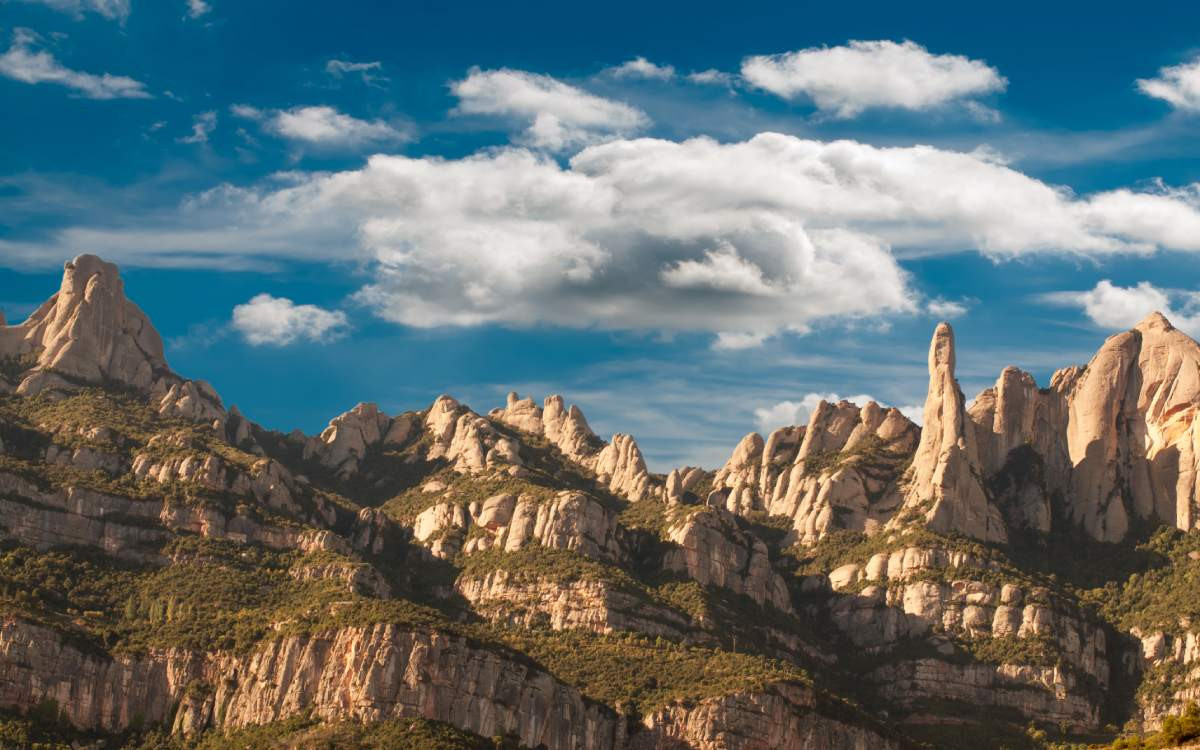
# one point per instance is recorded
(788, 413)
(371, 73)
(745, 239)
(556, 116)
(844, 81)
(203, 125)
(1120, 308)
(277, 321)
(1178, 85)
(323, 127)
(197, 8)
(23, 62)
(640, 67)
(116, 10)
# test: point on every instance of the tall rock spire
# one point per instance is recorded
(944, 486)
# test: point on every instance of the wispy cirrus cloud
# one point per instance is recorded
(370, 73)
(203, 125)
(324, 127)
(116, 10)
(24, 62)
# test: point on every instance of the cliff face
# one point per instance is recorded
(170, 562)
(368, 674)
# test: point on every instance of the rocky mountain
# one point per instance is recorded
(1020, 571)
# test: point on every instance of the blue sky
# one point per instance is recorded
(691, 219)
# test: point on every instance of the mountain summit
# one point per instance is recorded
(1019, 569)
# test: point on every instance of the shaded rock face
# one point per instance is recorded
(838, 472)
(944, 486)
(1163, 654)
(366, 674)
(714, 552)
(904, 597)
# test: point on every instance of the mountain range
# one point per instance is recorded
(1020, 570)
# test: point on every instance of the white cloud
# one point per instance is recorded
(712, 77)
(789, 413)
(203, 125)
(116, 10)
(721, 270)
(1119, 308)
(323, 127)
(197, 8)
(277, 321)
(946, 309)
(25, 64)
(556, 115)
(843, 81)
(371, 73)
(1178, 85)
(751, 239)
(640, 67)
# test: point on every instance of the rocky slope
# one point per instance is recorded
(1022, 568)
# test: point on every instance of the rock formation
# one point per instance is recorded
(169, 562)
(837, 472)
(945, 483)
(618, 464)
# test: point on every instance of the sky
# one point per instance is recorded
(693, 220)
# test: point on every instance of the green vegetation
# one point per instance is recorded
(1163, 592)
(42, 730)
(215, 595)
(1176, 730)
(642, 673)
(13, 367)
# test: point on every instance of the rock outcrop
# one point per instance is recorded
(343, 445)
(837, 472)
(90, 333)
(783, 717)
(713, 551)
(619, 465)
(570, 520)
(365, 674)
(944, 487)
(598, 606)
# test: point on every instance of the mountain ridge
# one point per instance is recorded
(876, 576)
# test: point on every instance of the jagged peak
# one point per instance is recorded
(1155, 321)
